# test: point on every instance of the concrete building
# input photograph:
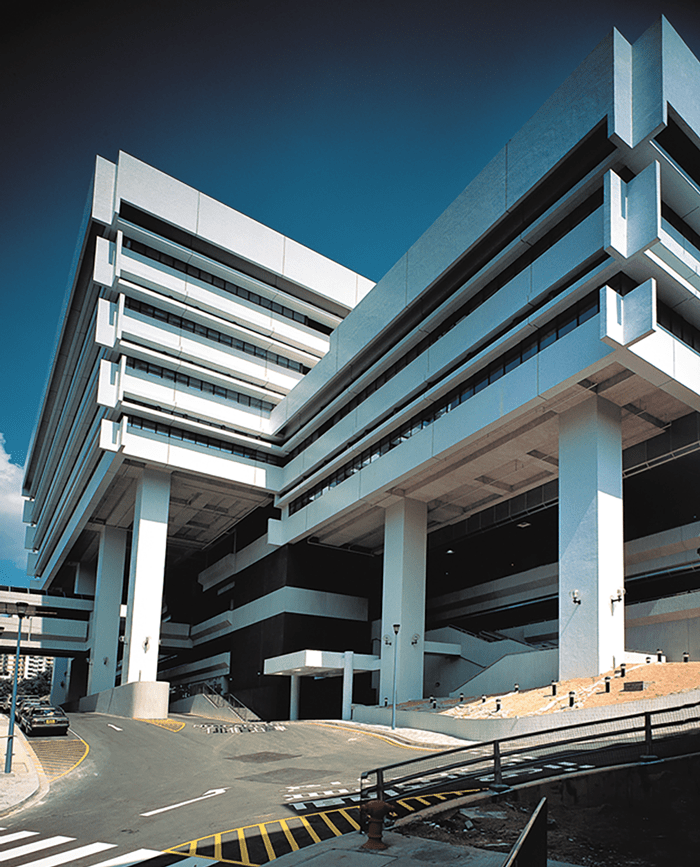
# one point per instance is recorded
(252, 465)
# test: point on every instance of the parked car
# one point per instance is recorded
(26, 703)
(43, 719)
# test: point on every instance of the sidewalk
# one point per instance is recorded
(23, 781)
(406, 736)
(402, 852)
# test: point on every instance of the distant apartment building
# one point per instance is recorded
(29, 666)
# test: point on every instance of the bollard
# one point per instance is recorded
(648, 659)
(686, 657)
(498, 704)
(374, 812)
(623, 669)
(433, 703)
(607, 684)
(516, 687)
(554, 687)
(386, 702)
(483, 699)
(572, 696)
(659, 654)
(461, 696)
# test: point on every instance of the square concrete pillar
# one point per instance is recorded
(403, 599)
(146, 575)
(591, 543)
(104, 622)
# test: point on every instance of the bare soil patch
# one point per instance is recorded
(658, 678)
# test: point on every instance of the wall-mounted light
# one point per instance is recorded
(415, 639)
(619, 594)
(575, 597)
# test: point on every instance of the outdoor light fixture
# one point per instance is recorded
(415, 639)
(575, 597)
(21, 610)
(619, 593)
(397, 626)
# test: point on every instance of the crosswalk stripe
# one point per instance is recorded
(130, 859)
(37, 846)
(18, 835)
(67, 857)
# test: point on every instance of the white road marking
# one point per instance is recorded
(116, 728)
(130, 859)
(28, 848)
(212, 793)
(18, 835)
(69, 857)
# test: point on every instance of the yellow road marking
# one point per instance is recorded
(288, 834)
(330, 824)
(314, 836)
(266, 840)
(193, 847)
(381, 738)
(171, 725)
(350, 819)
(217, 846)
(245, 858)
(54, 757)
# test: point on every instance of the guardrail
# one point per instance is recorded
(530, 849)
(642, 736)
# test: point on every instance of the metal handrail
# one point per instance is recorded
(227, 701)
(617, 731)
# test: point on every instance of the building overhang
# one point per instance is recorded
(318, 663)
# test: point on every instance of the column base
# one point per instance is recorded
(139, 700)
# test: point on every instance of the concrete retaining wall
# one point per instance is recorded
(199, 705)
(494, 729)
(138, 700)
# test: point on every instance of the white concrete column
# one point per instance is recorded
(294, 697)
(104, 622)
(403, 598)
(348, 674)
(146, 576)
(591, 543)
(60, 679)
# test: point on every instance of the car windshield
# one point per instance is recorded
(45, 711)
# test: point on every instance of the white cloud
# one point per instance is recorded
(11, 505)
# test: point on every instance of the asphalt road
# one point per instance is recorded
(143, 786)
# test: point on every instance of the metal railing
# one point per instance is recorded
(530, 849)
(643, 736)
(225, 702)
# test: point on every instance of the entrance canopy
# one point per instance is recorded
(318, 663)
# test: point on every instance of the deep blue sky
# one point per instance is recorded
(347, 125)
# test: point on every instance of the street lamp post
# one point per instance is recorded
(397, 626)
(20, 609)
